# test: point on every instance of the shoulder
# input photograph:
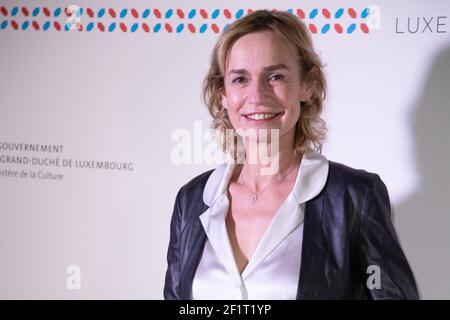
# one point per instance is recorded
(346, 174)
(193, 189)
(189, 199)
(343, 178)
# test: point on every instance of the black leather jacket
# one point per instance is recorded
(347, 228)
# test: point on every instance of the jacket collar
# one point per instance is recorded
(311, 178)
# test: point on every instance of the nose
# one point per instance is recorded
(257, 92)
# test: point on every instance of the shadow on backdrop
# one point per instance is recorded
(423, 220)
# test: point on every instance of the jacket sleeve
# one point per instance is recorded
(171, 285)
(385, 269)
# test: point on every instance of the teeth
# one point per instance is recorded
(261, 116)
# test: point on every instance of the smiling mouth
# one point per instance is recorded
(262, 116)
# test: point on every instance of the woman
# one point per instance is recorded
(297, 226)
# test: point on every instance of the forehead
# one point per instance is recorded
(260, 48)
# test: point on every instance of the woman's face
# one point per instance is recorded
(263, 88)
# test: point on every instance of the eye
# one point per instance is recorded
(239, 80)
(277, 77)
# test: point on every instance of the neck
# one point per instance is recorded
(274, 166)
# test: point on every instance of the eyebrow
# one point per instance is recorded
(268, 68)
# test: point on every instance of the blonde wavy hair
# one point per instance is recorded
(310, 129)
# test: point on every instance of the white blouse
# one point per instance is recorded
(274, 268)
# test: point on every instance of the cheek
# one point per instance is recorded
(234, 102)
(292, 110)
(234, 98)
(296, 113)
(289, 97)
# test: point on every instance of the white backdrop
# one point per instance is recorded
(74, 100)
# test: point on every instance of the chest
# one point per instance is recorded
(247, 222)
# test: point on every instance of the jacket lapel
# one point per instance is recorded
(193, 238)
(313, 280)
